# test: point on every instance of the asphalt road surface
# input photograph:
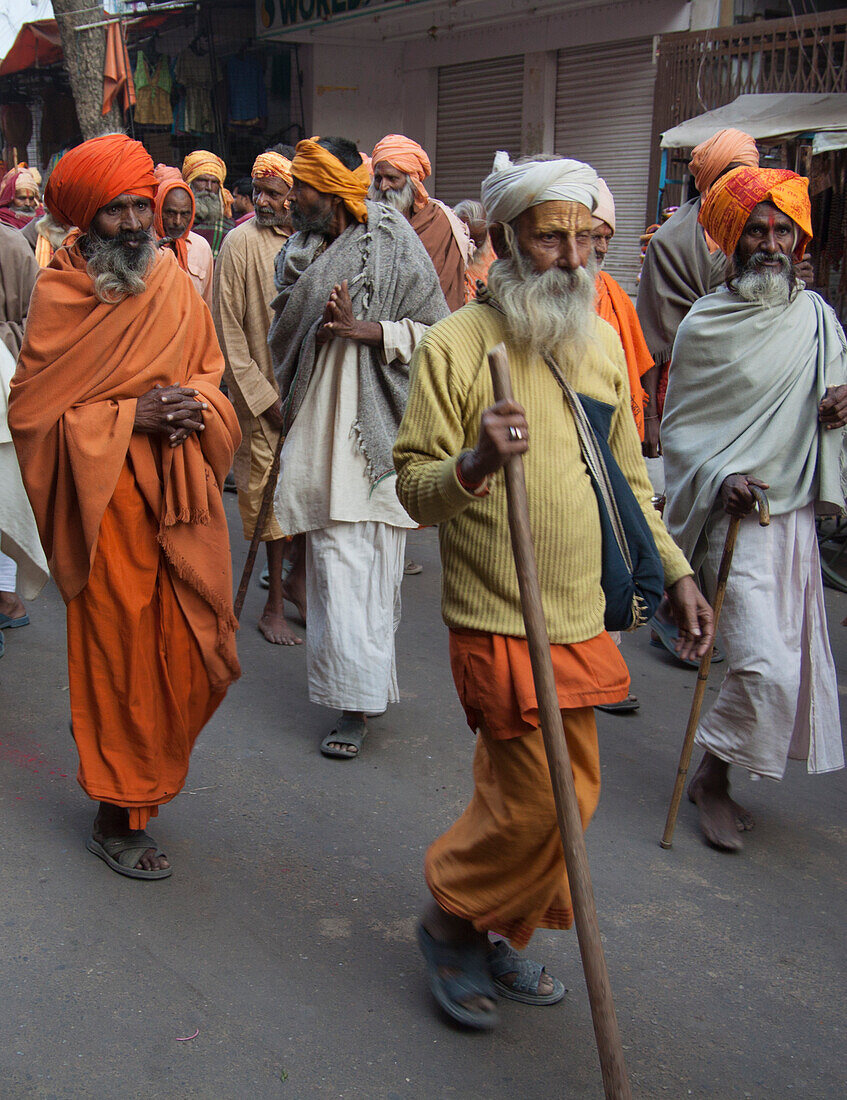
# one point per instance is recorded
(285, 937)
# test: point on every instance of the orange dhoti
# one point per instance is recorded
(139, 689)
(501, 865)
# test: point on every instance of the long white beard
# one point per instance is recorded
(766, 288)
(402, 200)
(208, 207)
(548, 310)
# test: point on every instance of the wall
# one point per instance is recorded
(345, 97)
(365, 90)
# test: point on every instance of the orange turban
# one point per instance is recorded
(203, 163)
(733, 198)
(164, 172)
(406, 156)
(274, 165)
(320, 169)
(92, 174)
(712, 157)
(170, 180)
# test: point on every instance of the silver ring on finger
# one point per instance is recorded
(515, 433)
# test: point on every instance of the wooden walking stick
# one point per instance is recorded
(706, 663)
(609, 1048)
(267, 498)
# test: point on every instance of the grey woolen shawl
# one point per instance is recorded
(743, 399)
(390, 278)
(678, 269)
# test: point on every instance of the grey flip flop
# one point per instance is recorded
(348, 731)
(121, 853)
(503, 959)
(472, 979)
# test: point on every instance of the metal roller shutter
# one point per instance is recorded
(479, 111)
(604, 115)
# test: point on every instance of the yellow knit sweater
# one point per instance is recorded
(450, 388)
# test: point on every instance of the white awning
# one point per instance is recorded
(767, 116)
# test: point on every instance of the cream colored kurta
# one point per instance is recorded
(244, 290)
(201, 266)
(323, 475)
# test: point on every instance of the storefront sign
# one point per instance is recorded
(283, 14)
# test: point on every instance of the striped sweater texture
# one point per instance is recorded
(450, 389)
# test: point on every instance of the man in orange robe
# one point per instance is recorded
(615, 306)
(124, 440)
(400, 166)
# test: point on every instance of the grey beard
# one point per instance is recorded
(269, 219)
(117, 270)
(320, 224)
(544, 311)
(766, 288)
(24, 213)
(402, 200)
(208, 207)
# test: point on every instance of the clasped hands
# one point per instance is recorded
(339, 320)
(172, 411)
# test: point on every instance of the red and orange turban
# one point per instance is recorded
(272, 165)
(712, 157)
(171, 180)
(92, 174)
(320, 169)
(731, 201)
(406, 156)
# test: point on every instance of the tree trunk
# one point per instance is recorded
(85, 53)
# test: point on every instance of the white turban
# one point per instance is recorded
(605, 209)
(512, 188)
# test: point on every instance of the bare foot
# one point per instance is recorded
(743, 818)
(114, 821)
(719, 814)
(294, 587)
(12, 605)
(446, 928)
(275, 629)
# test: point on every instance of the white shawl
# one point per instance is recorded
(745, 383)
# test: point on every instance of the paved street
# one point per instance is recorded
(285, 936)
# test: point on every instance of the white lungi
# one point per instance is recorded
(353, 577)
(8, 573)
(779, 698)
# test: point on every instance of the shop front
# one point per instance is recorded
(466, 79)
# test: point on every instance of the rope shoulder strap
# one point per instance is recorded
(593, 459)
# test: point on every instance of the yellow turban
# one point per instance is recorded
(272, 164)
(203, 163)
(320, 169)
(731, 201)
(712, 157)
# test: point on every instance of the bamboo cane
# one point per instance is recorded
(607, 1035)
(270, 489)
(706, 664)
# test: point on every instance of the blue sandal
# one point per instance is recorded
(472, 979)
(503, 959)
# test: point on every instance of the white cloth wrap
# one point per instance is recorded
(353, 577)
(745, 382)
(18, 532)
(605, 208)
(512, 188)
(779, 698)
